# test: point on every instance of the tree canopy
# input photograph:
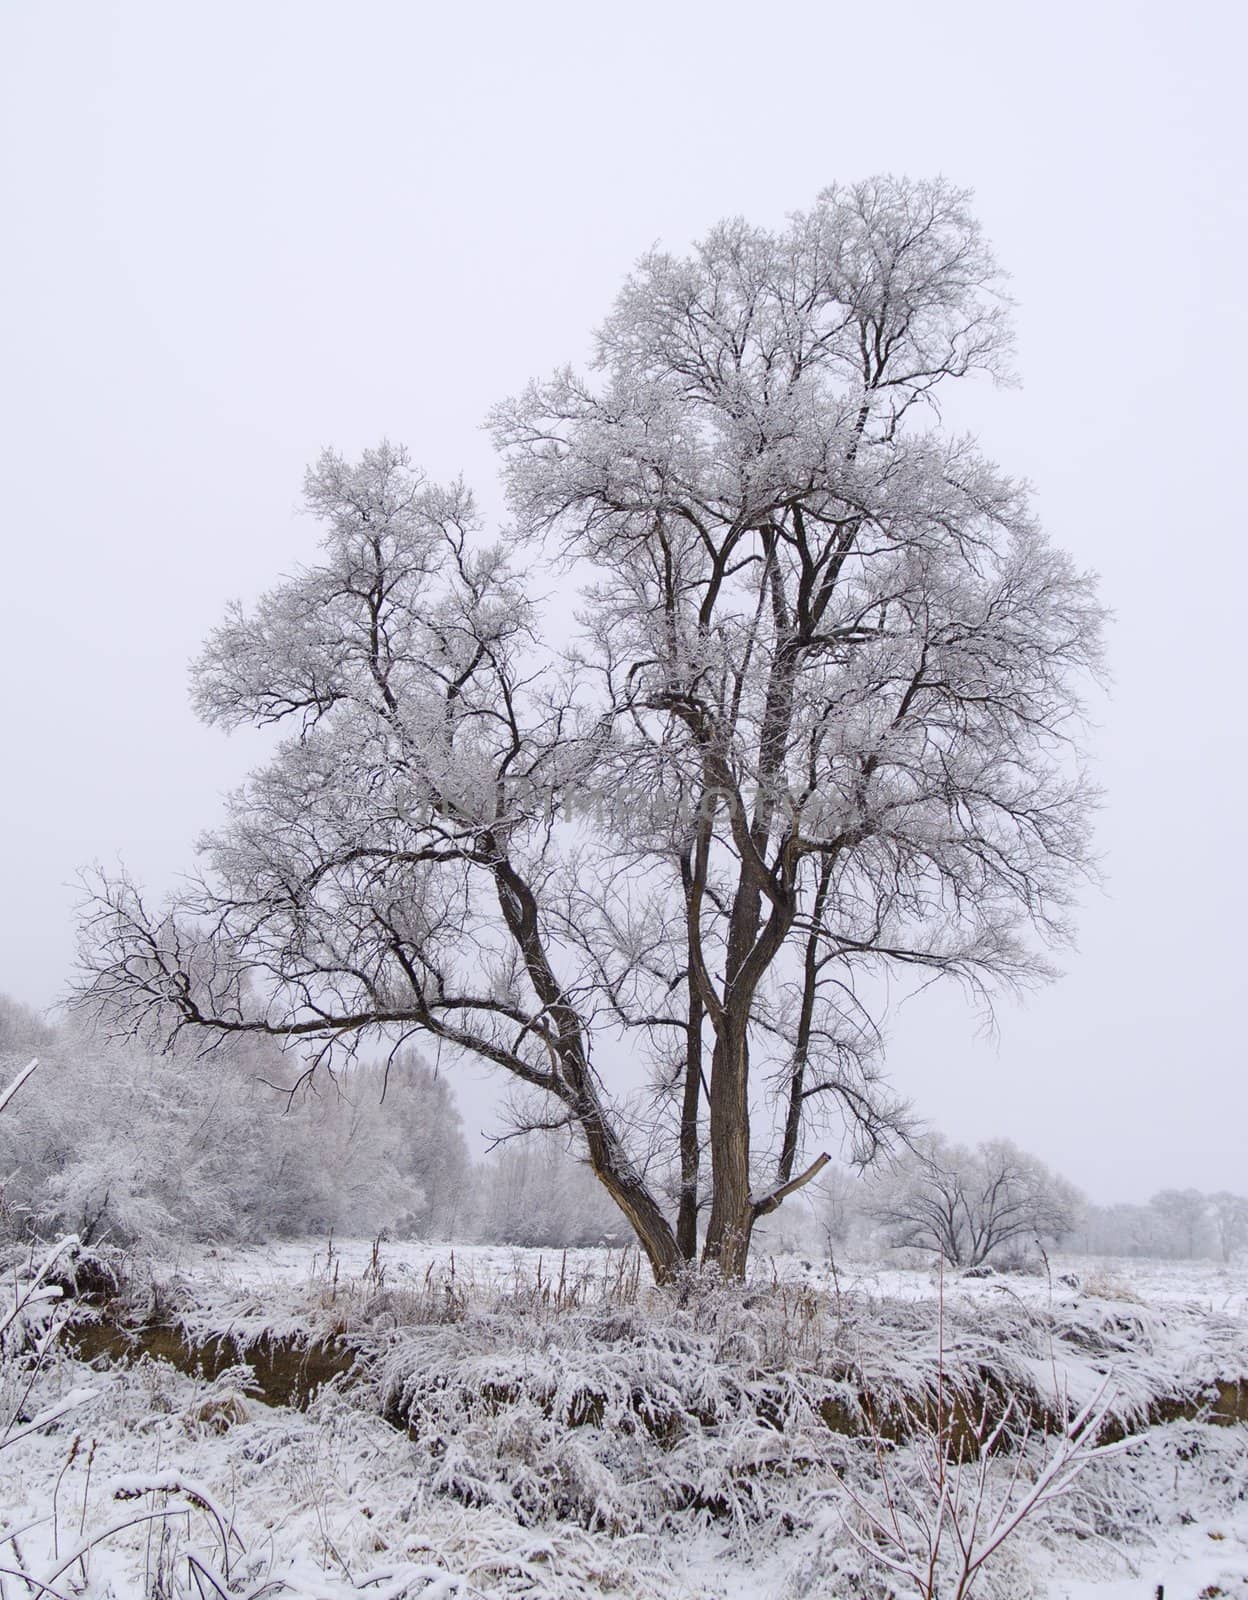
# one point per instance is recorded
(816, 721)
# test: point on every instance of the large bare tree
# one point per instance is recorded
(816, 722)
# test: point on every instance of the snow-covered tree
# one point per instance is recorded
(424, 1144)
(839, 1206)
(1229, 1216)
(113, 1139)
(1121, 1229)
(533, 1191)
(21, 1029)
(968, 1204)
(1185, 1213)
(816, 723)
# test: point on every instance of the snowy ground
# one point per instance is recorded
(335, 1501)
(1206, 1284)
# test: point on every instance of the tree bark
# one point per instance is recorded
(652, 1228)
(690, 1148)
(732, 1217)
(801, 1047)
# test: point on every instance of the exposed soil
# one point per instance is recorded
(288, 1372)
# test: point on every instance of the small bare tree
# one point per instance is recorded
(967, 1204)
(941, 1524)
(817, 722)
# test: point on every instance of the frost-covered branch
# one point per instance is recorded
(819, 720)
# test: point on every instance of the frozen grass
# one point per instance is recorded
(569, 1431)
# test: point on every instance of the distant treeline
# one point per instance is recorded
(112, 1140)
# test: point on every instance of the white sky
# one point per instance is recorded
(238, 232)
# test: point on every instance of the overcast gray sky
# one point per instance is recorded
(238, 232)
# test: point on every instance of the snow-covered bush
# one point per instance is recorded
(116, 1140)
(628, 1416)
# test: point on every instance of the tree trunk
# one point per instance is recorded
(690, 1151)
(732, 1213)
(652, 1228)
(805, 1021)
(607, 1156)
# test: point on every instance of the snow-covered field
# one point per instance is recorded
(1205, 1284)
(555, 1428)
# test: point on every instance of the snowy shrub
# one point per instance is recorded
(741, 1411)
(113, 1140)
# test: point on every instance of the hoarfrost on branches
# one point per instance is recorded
(818, 723)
